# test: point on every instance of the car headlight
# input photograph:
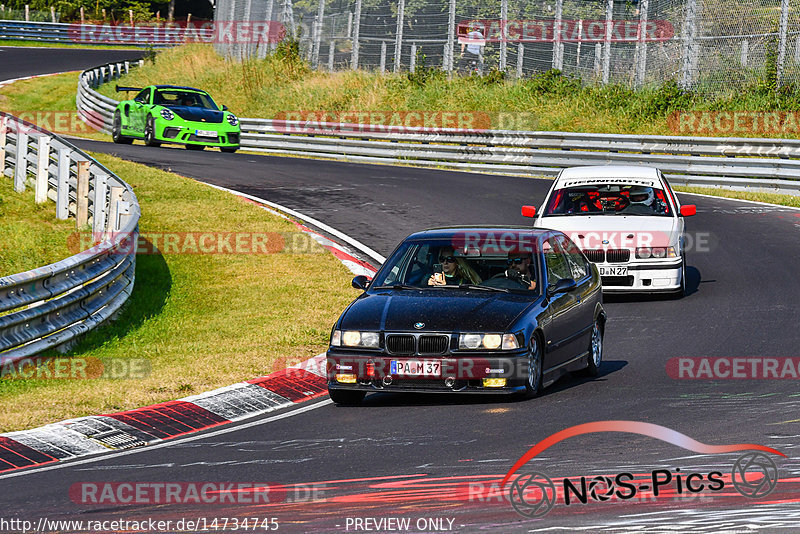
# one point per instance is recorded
(167, 115)
(232, 120)
(656, 252)
(354, 338)
(488, 341)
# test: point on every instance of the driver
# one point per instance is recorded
(519, 270)
(641, 200)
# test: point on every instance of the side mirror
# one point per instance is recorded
(564, 285)
(688, 210)
(528, 211)
(361, 282)
(224, 108)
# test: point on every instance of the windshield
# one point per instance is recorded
(439, 264)
(176, 97)
(608, 199)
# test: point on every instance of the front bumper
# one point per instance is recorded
(227, 136)
(645, 277)
(460, 373)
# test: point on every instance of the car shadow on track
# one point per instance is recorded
(381, 399)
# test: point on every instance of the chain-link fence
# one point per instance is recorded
(705, 44)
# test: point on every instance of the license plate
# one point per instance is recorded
(205, 133)
(416, 368)
(613, 270)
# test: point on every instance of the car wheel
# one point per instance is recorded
(344, 397)
(195, 147)
(533, 378)
(150, 133)
(229, 149)
(595, 350)
(116, 131)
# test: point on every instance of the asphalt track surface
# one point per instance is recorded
(419, 456)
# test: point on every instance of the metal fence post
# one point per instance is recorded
(62, 189)
(356, 33)
(578, 48)
(99, 204)
(318, 35)
(383, 57)
(21, 172)
(271, 32)
(689, 35)
(504, 33)
(745, 50)
(331, 50)
(520, 55)
(42, 169)
(607, 54)
(558, 46)
(82, 195)
(782, 37)
(641, 44)
(398, 43)
(449, 56)
(413, 63)
(598, 52)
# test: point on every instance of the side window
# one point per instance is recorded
(555, 261)
(143, 97)
(577, 264)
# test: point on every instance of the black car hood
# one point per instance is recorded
(442, 310)
(210, 116)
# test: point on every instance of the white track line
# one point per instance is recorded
(108, 455)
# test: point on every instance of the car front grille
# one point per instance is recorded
(595, 256)
(617, 281)
(618, 255)
(400, 344)
(431, 345)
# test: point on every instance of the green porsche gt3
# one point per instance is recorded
(174, 114)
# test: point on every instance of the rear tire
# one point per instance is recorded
(116, 131)
(150, 133)
(344, 397)
(533, 378)
(595, 358)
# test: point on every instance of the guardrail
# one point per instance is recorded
(106, 34)
(735, 163)
(49, 307)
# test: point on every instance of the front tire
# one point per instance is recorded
(682, 290)
(116, 131)
(533, 378)
(229, 149)
(344, 397)
(595, 350)
(150, 133)
(195, 147)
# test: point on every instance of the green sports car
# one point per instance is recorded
(173, 114)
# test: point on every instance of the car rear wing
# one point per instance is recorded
(120, 89)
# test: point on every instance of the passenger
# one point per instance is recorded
(455, 271)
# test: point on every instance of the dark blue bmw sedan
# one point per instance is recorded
(470, 310)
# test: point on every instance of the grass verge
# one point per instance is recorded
(30, 234)
(200, 321)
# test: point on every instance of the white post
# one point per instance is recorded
(413, 64)
(689, 35)
(598, 52)
(271, 31)
(641, 44)
(607, 55)
(504, 33)
(318, 35)
(398, 43)
(331, 50)
(782, 36)
(52, 14)
(82, 195)
(99, 204)
(42, 169)
(449, 57)
(383, 57)
(745, 50)
(62, 189)
(520, 58)
(21, 172)
(350, 24)
(3, 141)
(580, 38)
(558, 46)
(27, 12)
(356, 33)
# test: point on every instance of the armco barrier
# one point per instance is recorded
(735, 163)
(99, 34)
(49, 307)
